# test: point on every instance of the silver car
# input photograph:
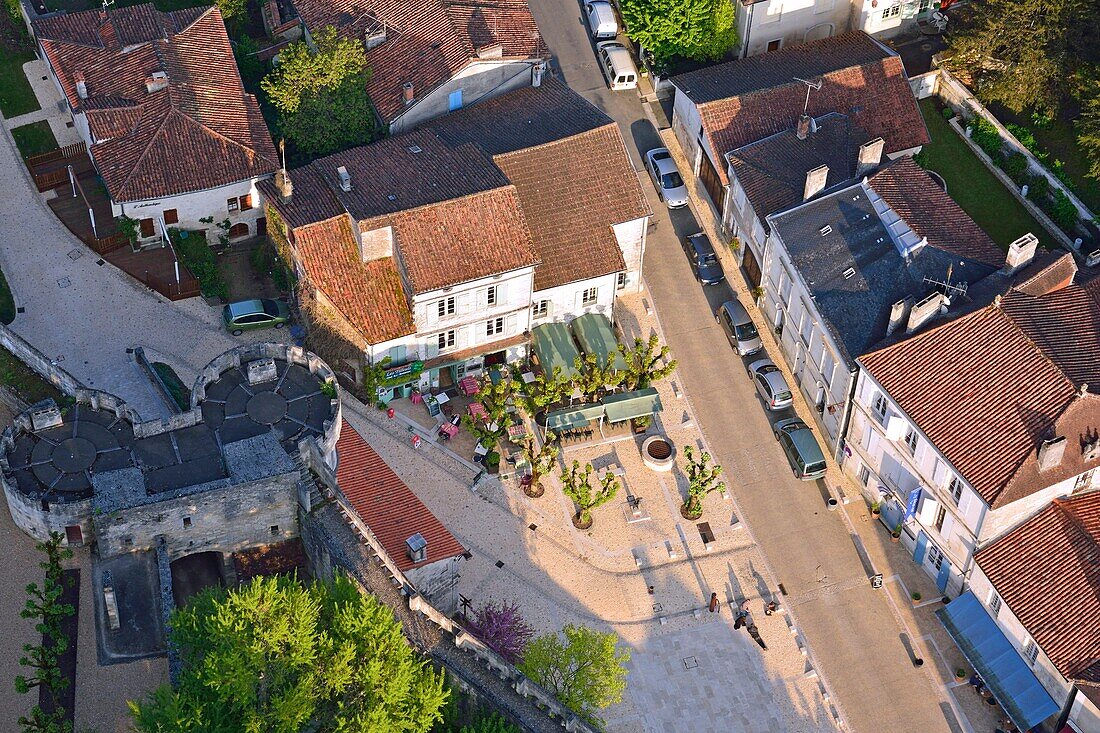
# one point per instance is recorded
(739, 328)
(771, 384)
(667, 179)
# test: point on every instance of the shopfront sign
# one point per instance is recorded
(413, 368)
(911, 503)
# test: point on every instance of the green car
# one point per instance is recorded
(245, 315)
(801, 447)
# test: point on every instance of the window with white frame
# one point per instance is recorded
(785, 287)
(446, 340)
(994, 603)
(935, 556)
(941, 517)
(620, 281)
(491, 295)
(911, 441)
(864, 474)
(1031, 651)
(494, 326)
(924, 6)
(446, 306)
(540, 309)
(806, 327)
(879, 406)
(891, 12)
(955, 488)
(590, 296)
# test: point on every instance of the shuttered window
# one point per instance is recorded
(171, 216)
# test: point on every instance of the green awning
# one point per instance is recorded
(554, 348)
(594, 333)
(573, 417)
(622, 407)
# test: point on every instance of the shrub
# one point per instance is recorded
(1015, 165)
(1061, 210)
(1042, 120)
(1038, 189)
(1025, 137)
(1058, 168)
(201, 261)
(986, 137)
(947, 113)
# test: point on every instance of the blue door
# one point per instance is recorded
(943, 576)
(921, 549)
(454, 100)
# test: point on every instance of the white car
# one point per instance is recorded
(617, 66)
(665, 176)
(771, 384)
(601, 19)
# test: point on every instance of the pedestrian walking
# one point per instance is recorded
(715, 604)
(755, 634)
(742, 618)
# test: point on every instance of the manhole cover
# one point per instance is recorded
(73, 455)
(659, 449)
(690, 662)
(64, 282)
(926, 47)
(266, 408)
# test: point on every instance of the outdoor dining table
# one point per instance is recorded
(517, 430)
(469, 386)
(449, 429)
(476, 409)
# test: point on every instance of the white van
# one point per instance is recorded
(601, 19)
(616, 65)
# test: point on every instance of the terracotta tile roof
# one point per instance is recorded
(1061, 542)
(572, 191)
(313, 199)
(369, 295)
(745, 100)
(932, 214)
(386, 505)
(987, 395)
(1047, 273)
(460, 240)
(1065, 324)
(428, 42)
(200, 132)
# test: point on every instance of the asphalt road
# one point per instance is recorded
(850, 628)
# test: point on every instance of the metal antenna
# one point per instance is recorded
(816, 86)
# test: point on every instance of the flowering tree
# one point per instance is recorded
(504, 629)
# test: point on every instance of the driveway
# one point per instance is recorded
(851, 629)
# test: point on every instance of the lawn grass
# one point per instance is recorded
(974, 187)
(25, 382)
(35, 138)
(16, 96)
(179, 392)
(7, 302)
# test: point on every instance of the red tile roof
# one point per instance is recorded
(988, 387)
(428, 42)
(1061, 542)
(200, 132)
(386, 505)
(932, 214)
(369, 295)
(749, 99)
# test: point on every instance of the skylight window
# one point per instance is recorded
(826, 230)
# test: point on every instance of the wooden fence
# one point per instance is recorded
(188, 286)
(103, 245)
(69, 151)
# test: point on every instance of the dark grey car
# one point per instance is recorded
(739, 328)
(703, 259)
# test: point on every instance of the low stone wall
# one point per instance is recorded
(39, 362)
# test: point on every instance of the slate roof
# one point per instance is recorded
(428, 42)
(856, 308)
(1062, 541)
(388, 507)
(749, 99)
(200, 132)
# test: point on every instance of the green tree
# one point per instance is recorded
(595, 377)
(44, 606)
(249, 64)
(540, 458)
(301, 71)
(277, 656)
(492, 723)
(586, 670)
(496, 398)
(702, 480)
(1025, 53)
(546, 391)
(1088, 127)
(577, 485)
(647, 362)
(694, 29)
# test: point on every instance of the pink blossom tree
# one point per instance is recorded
(503, 628)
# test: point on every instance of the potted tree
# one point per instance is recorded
(577, 485)
(702, 480)
(895, 535)
(960, 675)
(540, 459)
(916, 596)
(876, 508)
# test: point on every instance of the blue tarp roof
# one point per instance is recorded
(1005, 672)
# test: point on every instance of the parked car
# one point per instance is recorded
(617, 66)
(601, 20)
(703, 259)
(771, 384)
(245, 315)
(667, 179)
(800, 445)
(739, 328)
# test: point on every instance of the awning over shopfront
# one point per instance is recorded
(554, 347)
(628, 405)
(1006, 674)
(594, 333)
(573, 417)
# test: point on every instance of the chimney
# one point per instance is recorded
(1020, 253)
(417, 548)
(870, 155)
(925, 310)
(536, 74)
(492, 51)
(284, 185)
(803, 130)
(345, 179)
(376, 244)
(407, 92)
(374, 38)
(157, 81)
(81, 87)
(1051, 452)
(899, 315)
(815, 182)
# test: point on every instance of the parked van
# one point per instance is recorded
(804, 454)
(616, 65)
(601, 19)
(740, 330)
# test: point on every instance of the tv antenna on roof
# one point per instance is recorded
(814, 85)
(950, 289)
(107, 4)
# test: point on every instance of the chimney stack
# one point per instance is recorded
(345, 179)
(536, 74)
(284, 185)
(157, 81)
(81, 87)
(815, 182)
(870, 155)
(1051, 452)
(417, 547)
(492, 51)
(1020, 253)
(925, 310)
(899, 315)
(407, 92)
(803, 130)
